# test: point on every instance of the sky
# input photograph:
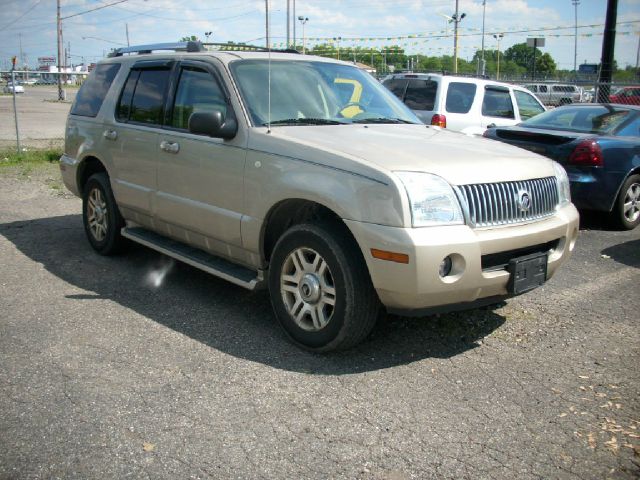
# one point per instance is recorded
(419, 26)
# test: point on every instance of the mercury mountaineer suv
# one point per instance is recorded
(260, 168)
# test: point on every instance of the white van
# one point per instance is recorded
(465, 104)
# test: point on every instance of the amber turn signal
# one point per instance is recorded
(390, 256)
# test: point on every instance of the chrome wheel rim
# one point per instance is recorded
(97, 214)
(631, 206)
(308, 290)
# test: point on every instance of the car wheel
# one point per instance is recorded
(565, 101)
(320, 288)
(102, 219)
(626, 213)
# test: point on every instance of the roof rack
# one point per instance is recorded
(146, 49)
(196, 46)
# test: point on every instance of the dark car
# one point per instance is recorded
(598, 145)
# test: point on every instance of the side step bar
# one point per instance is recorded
(197, 258)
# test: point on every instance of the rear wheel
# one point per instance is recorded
(320, 288)
(626, 212)
(101, 217)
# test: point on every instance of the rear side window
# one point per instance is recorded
(460, 97)
(421, 94)
(92, 93)
(543, 88)
(497, 103)
(397, 86)
(527, 105)
(142, 98)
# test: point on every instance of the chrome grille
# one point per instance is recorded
(490, 204)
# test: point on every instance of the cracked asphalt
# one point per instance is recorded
(105, 375)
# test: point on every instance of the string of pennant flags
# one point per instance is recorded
(513, 29)
(357, 43)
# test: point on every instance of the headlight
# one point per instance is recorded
(432, 200)
(564, 191)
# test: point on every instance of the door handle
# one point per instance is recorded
(110, 134)
(170, 147)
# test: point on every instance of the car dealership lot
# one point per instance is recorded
(111, 369)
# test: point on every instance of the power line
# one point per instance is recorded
(15, 20)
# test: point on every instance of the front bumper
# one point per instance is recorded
(69, 171)
(417, 287)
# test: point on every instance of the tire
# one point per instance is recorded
(320, 288)
(565, 101)
(626, 211)
(101, 217)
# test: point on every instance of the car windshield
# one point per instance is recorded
(307, 92)
(596, 119)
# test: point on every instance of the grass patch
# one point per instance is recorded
(29, 157)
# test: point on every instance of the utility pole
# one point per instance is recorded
(575, 40)
(126, 27)
(482, 61)
(288, 23)
(266, 23)
(61, 95)
(294, 24)
(608, 46)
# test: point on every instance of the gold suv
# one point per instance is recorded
(266, 169)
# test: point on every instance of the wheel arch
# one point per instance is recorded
(88, 166)
(287, 213)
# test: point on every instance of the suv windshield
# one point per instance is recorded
(315, 93)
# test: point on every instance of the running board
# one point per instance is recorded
(197, 258)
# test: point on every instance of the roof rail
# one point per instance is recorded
(176, 47)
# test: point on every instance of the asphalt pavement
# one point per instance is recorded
(137, 367)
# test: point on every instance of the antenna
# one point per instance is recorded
(268, 69)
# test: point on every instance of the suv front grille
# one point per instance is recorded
(491, 204)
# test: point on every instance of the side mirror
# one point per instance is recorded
(213, 124)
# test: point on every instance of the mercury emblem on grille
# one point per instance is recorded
(524, 200)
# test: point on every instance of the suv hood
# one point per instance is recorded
(458, 158)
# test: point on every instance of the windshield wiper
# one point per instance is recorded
(382, 120)
(305, 121)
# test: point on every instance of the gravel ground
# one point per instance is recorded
(106, 376)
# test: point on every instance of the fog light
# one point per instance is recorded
(445, 267)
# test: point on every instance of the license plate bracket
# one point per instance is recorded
(526, 273)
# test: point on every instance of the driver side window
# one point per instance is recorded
(197, 91)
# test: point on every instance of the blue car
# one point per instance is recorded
(598, 145)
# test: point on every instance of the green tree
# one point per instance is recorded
(522, 55)
(192, 38)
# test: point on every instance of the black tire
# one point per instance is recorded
(106, 239)
(628, 194)
(355, 311)
(565, 101)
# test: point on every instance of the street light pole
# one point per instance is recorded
(303, 21)
(457, 18)
(498, 37)
(484, 9)
(575, 40)
(61, 94)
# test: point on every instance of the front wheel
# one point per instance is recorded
(626, 212)
(320, 288)
(101, 217)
